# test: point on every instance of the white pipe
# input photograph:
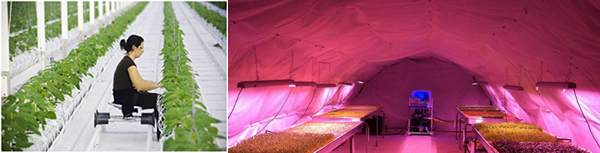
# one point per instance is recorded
(4, 60)
(64, 18)
(100, 12)
(92, 13)
(80, 19)
(107, 11)
(41, 24)
(80, 16)
(112, 7)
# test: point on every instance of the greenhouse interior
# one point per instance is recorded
(413, 76)
(58, 84)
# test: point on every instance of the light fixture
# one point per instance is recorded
(513, 87)
(329, 85)
(266, 83)
(360, 82)
(478, 83)
(345, 84)
(305, 84)
(564, 85)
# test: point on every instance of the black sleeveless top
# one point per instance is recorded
(123, 89)
(121, 77)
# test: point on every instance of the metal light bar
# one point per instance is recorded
(345, 84)
(305, 84)
(478, 83)
(360, 82)
(329, 85)
(513, 87)
(564, 85)
(265, 83)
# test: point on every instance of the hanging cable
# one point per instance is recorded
(256, 63)
(319, 66)
(329, 71)
(312, 71)
(541, 71)
(292, 65)
(234, 104)
(570, 72)
(306, 110)
(286, 99)
(585, 118)
(540, 80)
(327, 101)
(520, 70)
(505, 99)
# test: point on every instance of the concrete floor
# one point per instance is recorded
(441, 142)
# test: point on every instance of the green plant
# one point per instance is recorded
(222, 5)
(23, 18)
(191, 124)
(536, 147)
(514, 134)
(485, 126)
(211, 17)
(525, 132)
(27, 110)
(283, 142)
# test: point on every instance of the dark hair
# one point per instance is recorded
(132, 40)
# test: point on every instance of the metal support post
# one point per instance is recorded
(107, 12)
(64, 18)
(41, 24)
(100, 12)
(4, 60)
(92, 13)
(80, 19)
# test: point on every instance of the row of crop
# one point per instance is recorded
(184, 115)
(222, 5)
(30, 107)
(211, 17)
(23, 14)
(23, 18)
(522, 137)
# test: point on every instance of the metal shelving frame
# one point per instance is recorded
(429, 106)
(378, 108)
(471, 120)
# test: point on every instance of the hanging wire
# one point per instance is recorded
(312, 71)
(540, 80)
(329, 73)
(541, 72)
(585, 118)
(570, 72)
(506, 80)
(292, 65)
(234, 104)
(256, 63)
(281, 108)
(319, 65)
(306, 110)
(520, 70)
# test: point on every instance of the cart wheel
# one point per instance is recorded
(148, 118)
(101, 118)
(95, 118)
(157, 122)
(158, 133)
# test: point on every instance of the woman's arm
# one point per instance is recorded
(139, 83)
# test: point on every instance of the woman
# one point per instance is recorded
(129, 88)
